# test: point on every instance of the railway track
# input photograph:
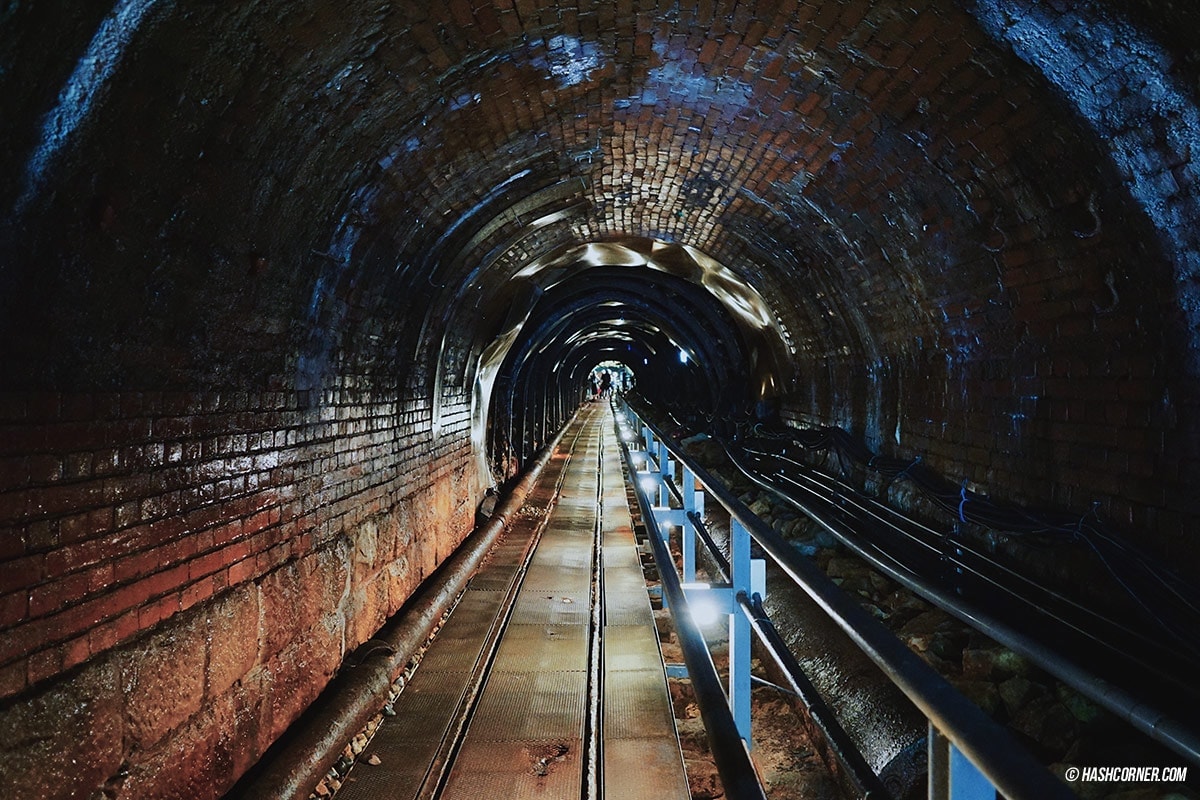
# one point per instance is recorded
(546, 679)
(550, 680)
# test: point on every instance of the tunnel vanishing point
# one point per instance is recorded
(287, 287)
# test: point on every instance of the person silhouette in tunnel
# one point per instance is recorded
(605, 384)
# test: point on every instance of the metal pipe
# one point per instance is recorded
(729, 751)
(310, 747)
(852, 769)
(1145, 717)
(1009, 766)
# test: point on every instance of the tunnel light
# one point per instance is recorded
(683, 356)
(703, 603)
(647, 481)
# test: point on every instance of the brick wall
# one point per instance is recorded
(968, 219)
(1074, 428)
(182, 573)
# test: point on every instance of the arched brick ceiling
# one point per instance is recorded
(644, 320)
(947, 206)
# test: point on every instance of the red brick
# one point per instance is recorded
(105, 636)
(22, 572)
(14, 472)
(55, 501)
(101, 577)
(155, 611)
(213, 562)
(88, 525)
(135, 566)
(21, 439)
(197, 592)
(23, 639)
(58, 594)
(14, 678)
(168, 580)
(76, 651)
(13, 608)
(45, 664)
(16, 543)
(45, 468)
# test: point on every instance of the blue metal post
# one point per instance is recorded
(664, 468)
(739, 630)
(953, 776)
(966, 781)
(688, 530)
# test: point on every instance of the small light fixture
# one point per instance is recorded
(702, 603)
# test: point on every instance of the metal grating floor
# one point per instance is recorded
(524, 706)
(541, 770)
(642, 758)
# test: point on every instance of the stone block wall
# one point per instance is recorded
(183, 573)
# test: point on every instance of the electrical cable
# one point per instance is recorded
(1125, 563)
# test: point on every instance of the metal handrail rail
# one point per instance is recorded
(867, 784)
(1008, 765)
(738, 776)
(1147, 717)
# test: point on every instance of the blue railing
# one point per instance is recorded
(970, 755)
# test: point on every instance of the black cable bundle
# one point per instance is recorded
(1166, 598)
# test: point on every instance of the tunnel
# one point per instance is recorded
(287, 289)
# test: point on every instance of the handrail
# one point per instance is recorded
(868, 784)
(1147, 717)
(733, 763)
(853, 772)
(710, 543)
(1011, 769)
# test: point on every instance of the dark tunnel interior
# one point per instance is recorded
(287, 287)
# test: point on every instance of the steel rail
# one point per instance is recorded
(594, 727)
(974, 565)
(838, 516)
(1010, 767)
(300, 759)
(828, 488)
(438, 773)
